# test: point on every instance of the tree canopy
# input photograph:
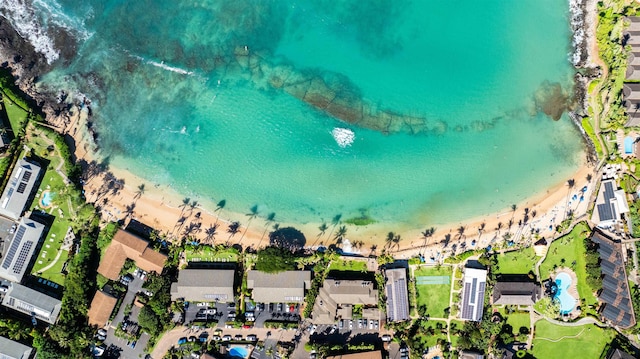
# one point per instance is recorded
(275, 259)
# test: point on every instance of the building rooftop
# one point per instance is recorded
(475, 281)
(615, 295)
(16, 195)
(337, 297)
(619, 354)
(611, 203)
(101, 308)
(24, 242)
(127, 245)
(10, 349)
(206, 285)
(283, 287)
(397, 294)
(516, 293)
(33, 303)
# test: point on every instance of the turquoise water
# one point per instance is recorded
(47, 197)
(628, 145)
(188, 94)
(238, 352)
(567, 301)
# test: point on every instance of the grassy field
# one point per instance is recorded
(563, 252)
(587, 341)
(454, 338)
(517, 262)
(16, 114)
(517, 320)
(205, 253)
(348, 265)
(434, 296)
(60, 209)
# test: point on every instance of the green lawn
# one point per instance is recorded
(589, 343)
(517, 262)
(517, 320)
(455, 324)
(434, 296)
(563, 252)
(348, 265)
(16, 114)
(205, 253)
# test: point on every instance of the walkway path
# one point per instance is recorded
(50, 265)
(583, 321)
(563, 337)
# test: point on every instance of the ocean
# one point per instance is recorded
(414, 113)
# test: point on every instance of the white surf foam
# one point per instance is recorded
(344, 137)
(25, 21)
(576, 9)
(56, 15)
(164, 66)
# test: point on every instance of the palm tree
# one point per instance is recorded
(185, 203)
(211, 233)
(426, 234)
(270, 219)
(389, 239)
(373, 249)
(513, 210)
(589, 177)
(219, 208)
(335, 221)
(323, 228)
(342, 231)
(461, 230)
(396, 241)
(140, 191)
(481, 229)
(234, 228)
(252, 214)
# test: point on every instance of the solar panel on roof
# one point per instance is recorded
(474, 284)
(26, 176)
(21, 187)
(22, 257)
(608, 190)
(467, 310)
(14, 247)
(604, 211)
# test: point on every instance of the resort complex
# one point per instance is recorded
(96, 262)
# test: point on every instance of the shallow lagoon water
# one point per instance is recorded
(175, 104)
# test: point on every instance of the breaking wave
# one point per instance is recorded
(344, 137)
(578, 13)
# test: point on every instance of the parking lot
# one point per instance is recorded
(119, 347)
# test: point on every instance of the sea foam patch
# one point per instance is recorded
(344, 137)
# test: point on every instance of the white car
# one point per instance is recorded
(202, 304)
(226, 338)
(313, 329)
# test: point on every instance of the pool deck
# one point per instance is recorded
(573, 288)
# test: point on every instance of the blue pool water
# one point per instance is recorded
(238, 352)
(47, 197)
(567, 302)
(628, 145)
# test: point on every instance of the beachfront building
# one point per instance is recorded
(17, 194)
(337, 298)
(474, 283)
(631, 90)
(540, 247)
(204, 285)
(25, 239)
(611, 204)
(101, 308)
(397, 294)
(616, 308)
(282, 287)
(127, 245)
(10, 349)
(37, 305)
(515, 292)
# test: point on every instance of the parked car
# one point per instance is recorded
(102, 332)
(192, 339)
(202, 304)
(133, 344)
(238, 337)
(182, 340)
(341, 324)
(216, 338)
(226, 338)
(313, 329)
(252, 337)
(386, 338)
(4, 289)
(279, 307)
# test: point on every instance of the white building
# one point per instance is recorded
(472, 306)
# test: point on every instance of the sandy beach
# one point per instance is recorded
(117, 193)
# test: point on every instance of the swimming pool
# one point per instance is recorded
(47, 197)
(238, 352)
(567, 301)
(628, 145)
